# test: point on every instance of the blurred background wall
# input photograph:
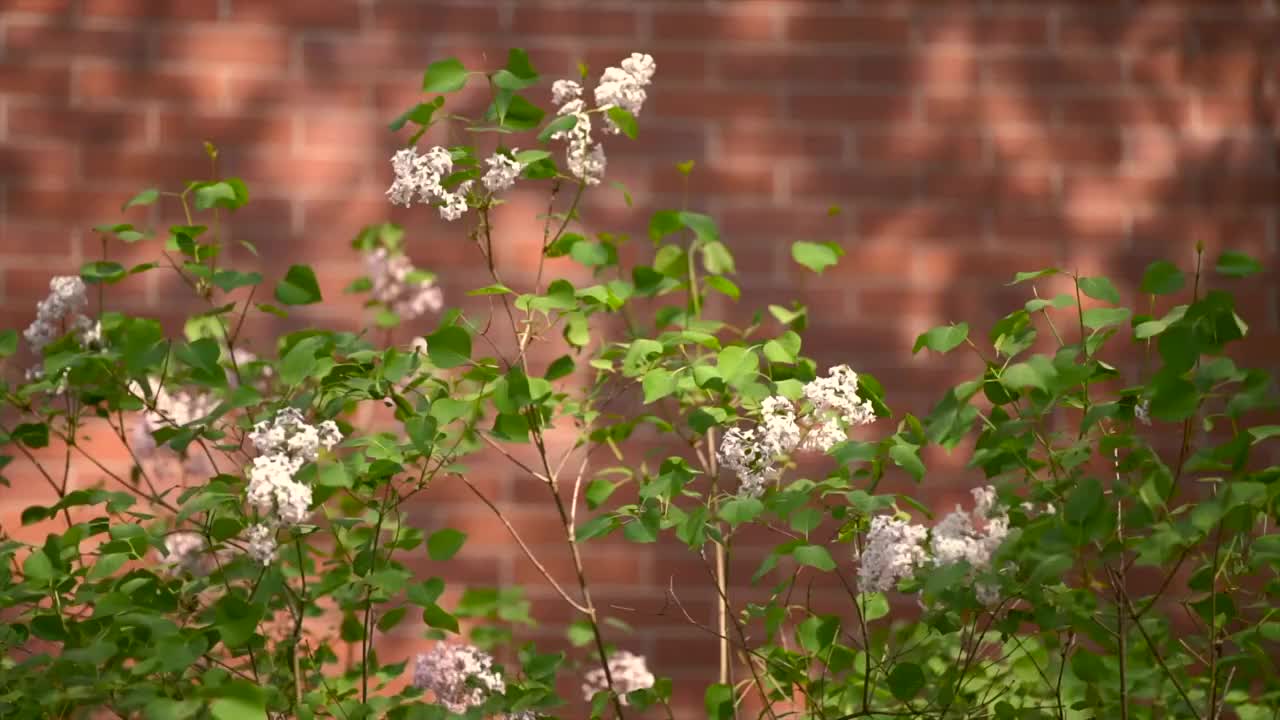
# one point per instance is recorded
(961, 141)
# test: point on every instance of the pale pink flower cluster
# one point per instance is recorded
(836, 406)
(460, 676)
(185, 552)
(422, 176)
(165, 409)
(623, 87)
(896, 549)
(61, 311)
(754, 454)
(503, 171)
(393, 285)
(629, 672)
(285, 443)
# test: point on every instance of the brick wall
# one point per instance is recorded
(963, 141)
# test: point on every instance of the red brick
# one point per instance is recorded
(116, 84)
(87, 127)
(775, 141)
(152, 9)
(750, 68)
(365, 55)
(736, 180)
(730, 24)
(923, 146)
(849, 31)
(224, 45)
(1037, 146)
(1036, 74)
(857, 110)
(919, 222)
(37, 163)
(1096, 29)
(227, 132)
(470, 18)
(54, 42)
(49, 83)
(936, 68)
(846, 185)
(250, 91)
(334, 14)
(1168, 111)
(711, 105)
(35, 6)
(986, 31)
(574, 21)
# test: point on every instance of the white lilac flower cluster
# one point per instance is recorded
(285, 443)
(460, 676)
(753, 454)
(893, 551)
(185, 552)
(622, 87)
(896, 549)
(1142, 412)
(390, 273)
(503, 171)
(422, 177)
(62, 310)
(165, 409)
(629, 672)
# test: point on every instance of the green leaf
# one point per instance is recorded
(102, 271)
(526, 157)
(239, 700)
(229, 280)
(907, 457)
(146, 197)
(658, 383)
(1162, 278)
(522, 114)
(905, 680)
(873, 605)
(299, 287)
(298, 364)
(107, 565)
(33, 435)
(1263, 432)
(625, 121)
(419, 114)
(1084, 501)
(1235, 264)
(719, 702)
(230, 194)
(723, 285)
(444, 544)
(560, 124)
(739, 510)
(942, 339)
(1033, 275)
(450, 346)
(814, 556)
(783, 349)
(1100, 288)
(38, 567)
(437, 617)
(1023, 375)
(1097, 318)
(444, 76)
(816, 256)
(8, 342)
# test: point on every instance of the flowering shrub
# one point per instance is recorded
(1096, 574)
